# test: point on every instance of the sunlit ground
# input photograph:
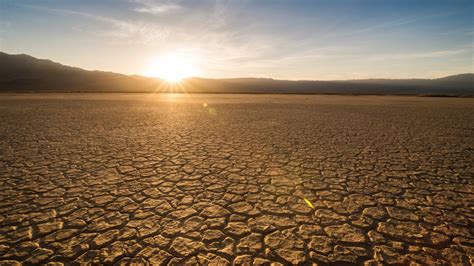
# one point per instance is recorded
(235, 179)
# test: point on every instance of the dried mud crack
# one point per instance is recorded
(221, 179)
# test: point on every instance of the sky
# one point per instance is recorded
(293, 39)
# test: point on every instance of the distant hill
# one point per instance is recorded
(24, 73)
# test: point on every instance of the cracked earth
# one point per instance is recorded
(221, 179)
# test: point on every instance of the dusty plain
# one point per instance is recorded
(221, 179)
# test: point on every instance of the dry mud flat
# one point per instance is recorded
(221, 179)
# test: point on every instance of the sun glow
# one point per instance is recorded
(172, 67)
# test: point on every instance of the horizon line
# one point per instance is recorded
(239, 77)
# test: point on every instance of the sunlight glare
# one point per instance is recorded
(171, 67)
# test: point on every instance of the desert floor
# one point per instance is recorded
(147, 178)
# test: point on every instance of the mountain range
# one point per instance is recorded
(24, 73)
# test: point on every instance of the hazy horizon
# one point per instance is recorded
(297, 40)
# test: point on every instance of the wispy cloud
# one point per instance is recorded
(133, 31)
(403, 21)
(153, 8)
(409, 56)
(157, 9)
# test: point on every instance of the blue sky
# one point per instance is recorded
(281, 39)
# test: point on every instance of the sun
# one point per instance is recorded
(171, 67)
